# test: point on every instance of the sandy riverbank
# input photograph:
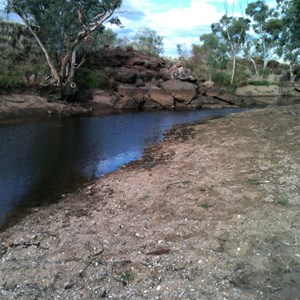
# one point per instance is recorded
(210, 213)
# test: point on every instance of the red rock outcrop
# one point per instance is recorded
(149, 82)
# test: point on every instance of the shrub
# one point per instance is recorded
(221, 78)
(283, 202)
(262, 82)
(94, 79)
(87, 78)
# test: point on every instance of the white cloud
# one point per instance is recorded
(179, 22)
(187, 18)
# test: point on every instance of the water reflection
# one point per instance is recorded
(41, 160)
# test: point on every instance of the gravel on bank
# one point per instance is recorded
(212, 212)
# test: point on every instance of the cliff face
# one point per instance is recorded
(139, 81)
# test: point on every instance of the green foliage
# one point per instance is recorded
(13, 75)
(59, 22)
(260, 82)
(197, 64)
(221, 78)
(87, 78)
(213, 51)
(206, 206)
(276, 34)
(20, 58)
(148, 41)
(94, 79)
(126, 277)
(289, 39)
(267, 27)
(99, 40)
(12, 79)
(241, 76)
(59, 27)
(283, 202)
(233, 31)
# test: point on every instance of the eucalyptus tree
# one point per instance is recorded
(233, 31)
(267, 26)
(214, 52)
(250, 53)
(148, 41)
(289, 40)
(61, 26)
(182, 51)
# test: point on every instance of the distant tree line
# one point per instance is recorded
(263, 34)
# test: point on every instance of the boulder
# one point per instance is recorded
(197, 103)
(102, 97)
(149, 104)
(180, 90)
(125, 75)
(154, 64)
(161, 96)
(139, 82)
(181, 72)
(131, 92)
(184, 74)
(150, 75)
(138, 61)
(251, 90)
(207, 84)
(148, 82)
(128, 103)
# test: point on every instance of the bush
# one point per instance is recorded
(9, 80)
(260, 82)
(94, 79)
(221, 78)
(87, 79)
(198, 68)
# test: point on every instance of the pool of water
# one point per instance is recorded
(41, 160)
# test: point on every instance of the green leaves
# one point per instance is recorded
(148, 41)
(61, 26)
(232, 30)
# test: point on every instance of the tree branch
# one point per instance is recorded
(49, 61)
(96, 22)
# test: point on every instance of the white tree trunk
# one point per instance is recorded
(255, 66)
(73, 68)
(233, 69)
(49, 61)
(292, 75)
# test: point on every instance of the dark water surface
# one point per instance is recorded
(40, 160)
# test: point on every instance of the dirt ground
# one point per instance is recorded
(210, 213)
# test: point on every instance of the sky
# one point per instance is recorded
(177, 21)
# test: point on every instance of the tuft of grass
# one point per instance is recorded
(205, 205)
(126, 277)
(283, 202)
(252, 181)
